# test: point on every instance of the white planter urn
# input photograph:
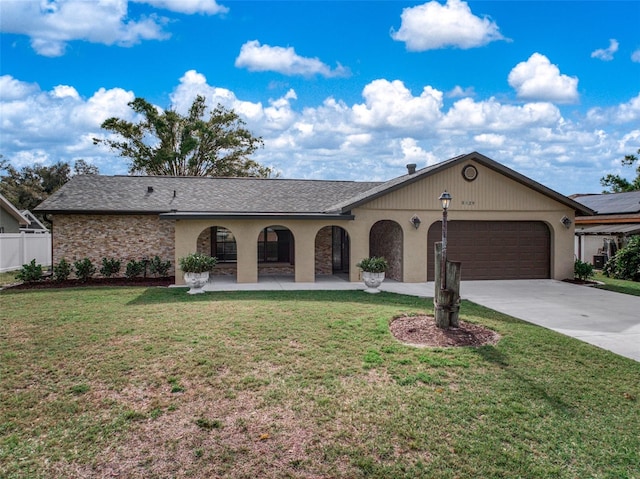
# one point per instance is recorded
(196, 281)
(372, 281)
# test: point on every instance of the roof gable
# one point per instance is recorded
(6, 205)
(403, 181)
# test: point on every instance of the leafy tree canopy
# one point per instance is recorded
(168, 143)
(28, 187)
(617, 184)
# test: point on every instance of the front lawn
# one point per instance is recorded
(618, 285)
(139, 383)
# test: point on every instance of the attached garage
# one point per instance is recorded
(495, 249)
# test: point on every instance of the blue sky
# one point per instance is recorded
(338, 90)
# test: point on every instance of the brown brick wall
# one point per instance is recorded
(324, 251)
(123, 237)
(204, 242)
(386, 240)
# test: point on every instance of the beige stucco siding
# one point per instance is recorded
(492, 196)
(246, 233)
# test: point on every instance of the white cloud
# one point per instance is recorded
(606, 54)
(635, 56)
(490, 139)
(260, 58)
(12, 89)
(539, 80)
(432, 26)
(391, 105)
(623, 113)
(52, 24)
(459, 92)
(45, 125)
(208, 7)
(370, 140)
(469, 115)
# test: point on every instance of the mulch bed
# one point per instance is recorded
(422, 331)
(74, 283)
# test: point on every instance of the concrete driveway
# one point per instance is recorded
(603, 318)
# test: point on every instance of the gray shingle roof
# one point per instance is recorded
(197, 196)
(157, 194)
(612, 203)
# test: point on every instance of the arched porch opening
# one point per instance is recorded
(332, 252)
(386, 240)
(276, 252)
(220, 242)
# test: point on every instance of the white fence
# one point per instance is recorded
(17, 249)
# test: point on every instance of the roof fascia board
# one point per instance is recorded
(97, 212)
(182, 215)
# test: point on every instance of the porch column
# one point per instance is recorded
(305, 252)
(246, 242)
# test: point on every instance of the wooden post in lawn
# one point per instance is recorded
(447, 298)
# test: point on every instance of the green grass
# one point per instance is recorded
(618, 285)
(8, 277)
(153, 382)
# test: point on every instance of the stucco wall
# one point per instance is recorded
(123, 237)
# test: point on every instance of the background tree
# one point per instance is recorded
(168, 143)
(617, 184)
(28, 187)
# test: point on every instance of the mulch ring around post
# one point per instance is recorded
(421, 331)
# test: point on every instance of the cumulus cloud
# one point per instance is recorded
(432, 26)
(368, 140)
(623, 113)
(635, 56)
(490, 139)
(606, 54)
(53, 24)
(260, 58)
(467, 114)
(208, 7)
(538, 79)
(48, 125)
(392, 105)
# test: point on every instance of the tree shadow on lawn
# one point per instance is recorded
(519, 381)
(179, 295)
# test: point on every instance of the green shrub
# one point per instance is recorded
(110, 267)
(134, 268)
(159, 267)
(626, 263)
(373, 264)
(62, 270)
(84, 269)
(582, 270)
(30, 273)
(197, 263)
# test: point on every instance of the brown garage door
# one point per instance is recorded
(495, 249)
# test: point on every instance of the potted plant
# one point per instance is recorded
(196, 267)
(373, 270)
